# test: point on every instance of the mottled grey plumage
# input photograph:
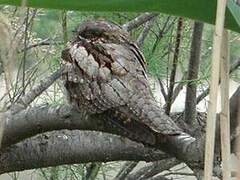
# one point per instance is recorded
(105, 70)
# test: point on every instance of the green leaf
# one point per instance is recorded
(235, 10)
(203, 10)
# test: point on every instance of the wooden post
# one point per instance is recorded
(224, 115)
(212, 104)
(238, 142)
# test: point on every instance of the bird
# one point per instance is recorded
(105, 70)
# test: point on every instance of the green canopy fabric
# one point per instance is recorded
(203, 10)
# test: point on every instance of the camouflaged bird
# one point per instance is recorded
(106, 70)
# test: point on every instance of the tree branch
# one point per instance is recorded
(174, 66)
(149, 24)
(139, 20)
(153, 169)
(233, 67)
(127, 168)
(37, 120)
(69, 147)
(29, 97)
(44, 42)
(193, 68)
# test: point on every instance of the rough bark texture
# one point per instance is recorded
(37, 152)
(174, 66)
(193, 68)
(69, 147)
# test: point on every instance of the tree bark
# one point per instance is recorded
(193, 68)
(37, 120)
(69, 147)
(174, 66)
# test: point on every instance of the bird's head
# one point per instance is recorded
(96, 29)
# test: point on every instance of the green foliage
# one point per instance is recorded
(235, 10)
(203, 10)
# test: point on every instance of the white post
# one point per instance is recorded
(224, 115)
(212, 104)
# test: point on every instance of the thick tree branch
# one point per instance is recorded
(37, 120)
(69, 147)
(139, 20)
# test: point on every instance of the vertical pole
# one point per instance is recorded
(224, 115)
(212, 104)
(238, 141)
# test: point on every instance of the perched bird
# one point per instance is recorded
(106, 70)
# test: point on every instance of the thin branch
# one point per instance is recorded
(44, 42)
(92, 170)
(162, 89)
(174, 66)
(153, 169)
(126, 169)
(64, 26)
(25, 100)
(24, 59)
(138, 21)
(149, 24)
(233, 67)
(178, 88)
(161, 32)
(159, 177)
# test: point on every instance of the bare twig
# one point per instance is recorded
(44, 42)
(92, 170)
(162, 31)
(25, 52)
(233, 67)
(153, 169)
(139, 20)
(178, 88)
(149, 24)
(64, 26)
(174, 66)
(159, 177)
(6, 61)
(126, 169)
(162, 89)
(25, 100)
